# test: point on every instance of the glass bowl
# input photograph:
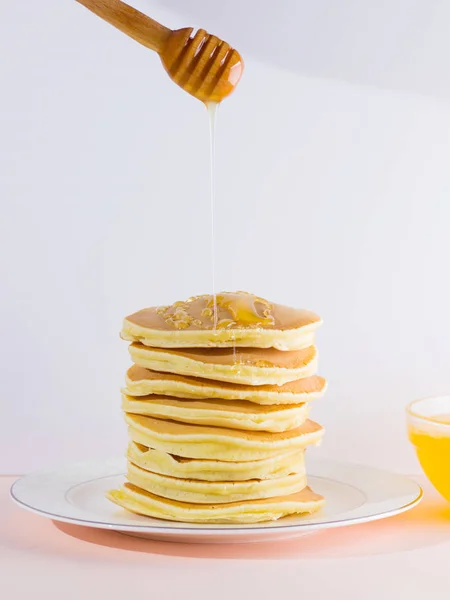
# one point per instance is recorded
(428, 423)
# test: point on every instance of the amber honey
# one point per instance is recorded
(429, 432)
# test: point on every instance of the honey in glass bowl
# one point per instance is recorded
(428, 423)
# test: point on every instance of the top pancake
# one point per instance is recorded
(240, 320)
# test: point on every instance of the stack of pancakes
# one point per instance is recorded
(217, 406)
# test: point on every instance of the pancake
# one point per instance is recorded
(156, 461)
(141, 502)
(255, 366)
(142, 382)
(214, 492)
(218, 443)
(243, 320)
(234, 414)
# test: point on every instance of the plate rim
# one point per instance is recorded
(213, 529)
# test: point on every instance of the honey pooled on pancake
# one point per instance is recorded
(226, 320)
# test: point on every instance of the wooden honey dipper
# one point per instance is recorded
(202, 64)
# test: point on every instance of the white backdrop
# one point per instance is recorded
(333, 194)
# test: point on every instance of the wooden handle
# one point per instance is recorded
(127, 19)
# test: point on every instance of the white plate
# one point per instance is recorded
(75, 494)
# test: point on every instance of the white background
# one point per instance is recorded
(333, 194)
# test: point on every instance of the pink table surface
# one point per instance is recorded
(402, 557)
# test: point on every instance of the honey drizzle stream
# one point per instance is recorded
(212, 108)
